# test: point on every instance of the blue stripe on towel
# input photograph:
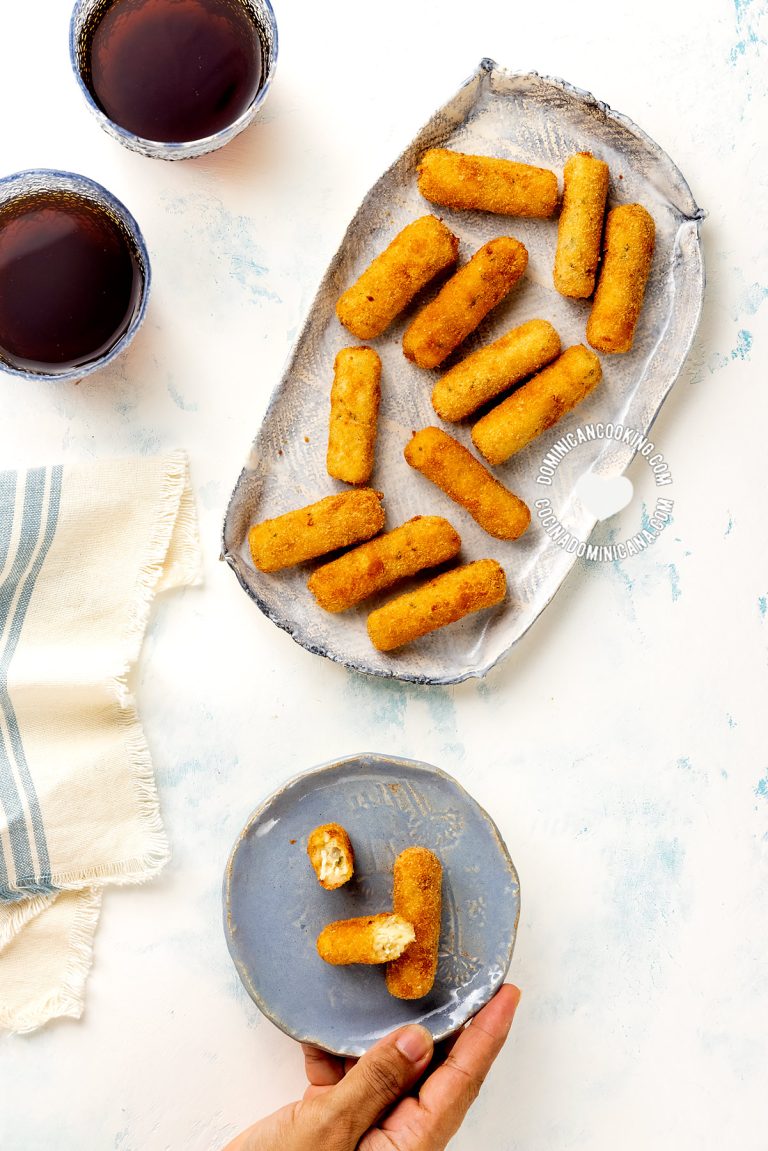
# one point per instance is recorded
(28, 543)
(34, 491)
(36, 816)
(7, 504)
(30, 531)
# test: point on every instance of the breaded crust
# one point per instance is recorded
(355, 398)
(422, 542)
(464, 301)
(445, 599)
(368, 939)
(417, 897)
(486, 184)
(333, 522)
(416, 255)
(330, 852)
(494, 369)
(537, 405)
(629, 239)
(449, 465)
(580, 228)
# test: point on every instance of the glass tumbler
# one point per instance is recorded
(44, 274)
(86, 19)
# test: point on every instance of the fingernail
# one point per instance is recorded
(415, 1043)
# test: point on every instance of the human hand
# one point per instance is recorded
(364, 1105)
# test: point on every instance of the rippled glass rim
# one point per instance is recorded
(55, 179)
(175, 150)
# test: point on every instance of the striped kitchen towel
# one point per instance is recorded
(83, 551)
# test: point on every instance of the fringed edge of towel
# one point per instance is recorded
(176, 528)
(142, 868)
(159, 852)
(67, 1001)
(186, 563)
(177, 517)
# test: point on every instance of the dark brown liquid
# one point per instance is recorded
(174, 70)
(70, 281)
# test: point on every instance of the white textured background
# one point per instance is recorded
(620, 748)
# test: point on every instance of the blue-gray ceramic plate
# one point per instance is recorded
(274, 908)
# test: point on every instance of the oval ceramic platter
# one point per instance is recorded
(534, 120)
(274, 907)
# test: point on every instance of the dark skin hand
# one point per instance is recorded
(371, 1104)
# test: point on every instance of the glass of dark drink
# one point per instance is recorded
(174, 78)
(74, 276)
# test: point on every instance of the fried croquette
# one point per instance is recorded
(422, 542)
(444, 600)
(333, 522)
(464, 301)
(585, 187)
(368, 939)
(629, 238)
(355, 398)
(331, 855)
(494, 369)
(537, 405)
(416, 255)
(486, 184)
(418, 898)
(466, 481)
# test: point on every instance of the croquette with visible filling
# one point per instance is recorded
(368, 939)
(330, 852)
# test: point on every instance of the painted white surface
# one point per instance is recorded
(619, 748)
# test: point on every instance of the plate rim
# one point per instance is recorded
(376, 759)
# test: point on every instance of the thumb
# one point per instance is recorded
(377, 1080)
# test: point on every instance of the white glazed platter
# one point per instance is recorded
(535, 120)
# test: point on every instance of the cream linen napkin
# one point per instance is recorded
(83, 551)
